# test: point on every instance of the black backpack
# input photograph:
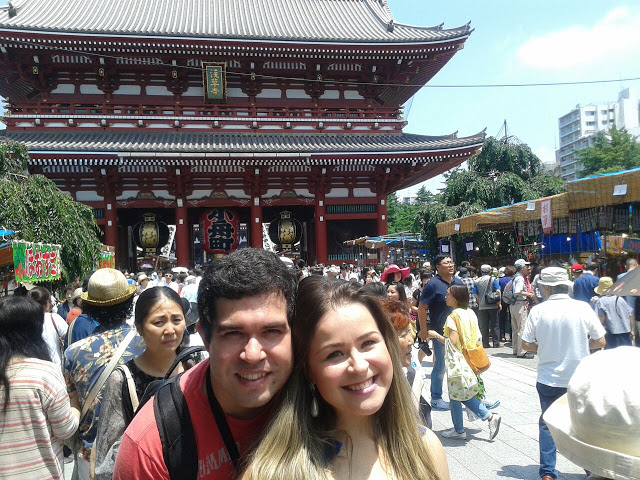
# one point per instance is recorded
(179, 448)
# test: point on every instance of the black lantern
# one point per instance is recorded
(150, 235)
(285, 232)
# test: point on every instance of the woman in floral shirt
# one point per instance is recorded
(109, 301)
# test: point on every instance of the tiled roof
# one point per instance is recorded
(350, 21)
(237, 143)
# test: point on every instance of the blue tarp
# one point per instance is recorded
(556, 244)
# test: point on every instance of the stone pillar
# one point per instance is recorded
(182, 235)
(255, 233)
(321, 232)
(381, 219)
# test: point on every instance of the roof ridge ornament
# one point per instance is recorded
(390, 25)
(12, 10)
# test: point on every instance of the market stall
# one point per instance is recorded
(568, 223)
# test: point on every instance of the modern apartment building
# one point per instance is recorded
(578, 127)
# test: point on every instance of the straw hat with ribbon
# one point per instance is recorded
(603, 285)
(596, 423)
(393, 268)
(107, 287)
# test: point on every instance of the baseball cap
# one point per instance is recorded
(576, 267)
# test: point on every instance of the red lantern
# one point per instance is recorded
(219, 230)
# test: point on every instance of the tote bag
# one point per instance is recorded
(462, 382)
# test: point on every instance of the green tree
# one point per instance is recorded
(424, 196)
(33, 206)
(401, 217)
(611, 151)
(503, 172)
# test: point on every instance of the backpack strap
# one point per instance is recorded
(179, 448)
(182, 356)
(70, 332)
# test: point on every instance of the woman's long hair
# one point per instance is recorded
(21, 324)
(296, 445)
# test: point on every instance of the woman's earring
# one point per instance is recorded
(314, 403)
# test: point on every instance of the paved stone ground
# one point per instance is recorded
(514, 453)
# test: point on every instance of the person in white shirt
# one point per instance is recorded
(562, 331)
(518, 310)
(170, 282)
(190, 290)
(54, 327)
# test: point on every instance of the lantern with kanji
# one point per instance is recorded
(150, 235)
(219, 231)
(286, 231)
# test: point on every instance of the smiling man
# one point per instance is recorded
(246, 303)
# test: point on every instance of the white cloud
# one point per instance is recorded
(615, 36)
(546, 155)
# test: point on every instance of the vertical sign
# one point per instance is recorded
(546, 216)
(214, 82)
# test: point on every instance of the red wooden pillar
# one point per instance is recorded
(182, 235)
(321, 232)
(256, 224)
(381, 219)
(111, 222)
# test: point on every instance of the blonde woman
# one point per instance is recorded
(347, 410)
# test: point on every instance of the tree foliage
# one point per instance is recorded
(401, 217)
(33, 206)
(502, 173)
(611, 151)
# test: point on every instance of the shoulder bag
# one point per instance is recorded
(476, 358)
(491, 296)
(462, 382)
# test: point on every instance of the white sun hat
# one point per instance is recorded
(596, 424)
(553, 276)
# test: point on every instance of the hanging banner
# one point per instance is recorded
(36, 262)
(107, 260)
(214, 82)
(469, 246)
(444, 247)
(546, 216)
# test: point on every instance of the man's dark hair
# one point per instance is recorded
(301, 263)
(317, 271)
(112, 316)
(509, 271)
(465, 263)
(197, 271)
(376, 288)
(244, 273)
(592, 267)
(439, 258)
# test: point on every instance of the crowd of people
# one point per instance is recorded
(257, 369)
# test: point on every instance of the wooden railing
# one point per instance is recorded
(203, 110)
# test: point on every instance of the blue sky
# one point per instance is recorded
(523, 42)
(520, 41)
